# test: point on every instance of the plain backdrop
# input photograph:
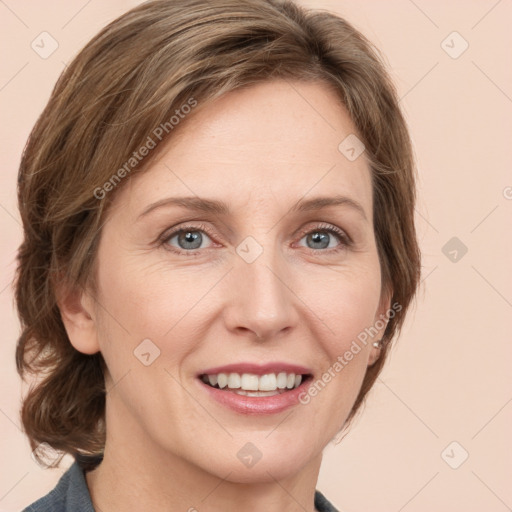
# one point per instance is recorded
(435, 433)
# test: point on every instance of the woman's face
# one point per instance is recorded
(270, 283)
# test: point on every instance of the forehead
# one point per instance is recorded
(275, 141)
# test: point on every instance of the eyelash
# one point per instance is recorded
(344, 239)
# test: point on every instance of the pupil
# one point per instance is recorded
(317, 237)
(192, 237)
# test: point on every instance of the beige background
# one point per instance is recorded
(448, 378)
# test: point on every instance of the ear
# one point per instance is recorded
(77, 312)
(380, 323)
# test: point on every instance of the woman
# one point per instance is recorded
(219, 247)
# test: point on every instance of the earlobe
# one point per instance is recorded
(76, 311)
(380, 322)
(375, 353)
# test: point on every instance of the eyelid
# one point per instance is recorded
(330, 228)
(172, 232)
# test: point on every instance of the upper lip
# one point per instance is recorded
(257, 369)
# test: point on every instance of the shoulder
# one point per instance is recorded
(70, 494)
(322, 504)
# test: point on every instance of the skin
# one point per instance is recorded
(260, 150)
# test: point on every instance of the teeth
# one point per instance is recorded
(249, 382)
(281, 380)
(268, 382)
(234, 381)
(257, 393)
(259, 385)
(222, 380)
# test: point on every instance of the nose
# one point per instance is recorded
(260, 297)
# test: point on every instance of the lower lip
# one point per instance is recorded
(256, 404)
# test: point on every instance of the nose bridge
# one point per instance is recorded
(262, 298)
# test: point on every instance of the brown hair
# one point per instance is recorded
(134, 76)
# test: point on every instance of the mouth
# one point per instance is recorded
(255, 385)
(256, 389)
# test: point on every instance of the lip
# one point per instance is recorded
(257, 369)
(262, 405)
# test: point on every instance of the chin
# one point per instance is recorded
(251, 465)
(262, 472)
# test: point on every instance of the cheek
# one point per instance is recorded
(156, 302)
(345, 307)
(347, 303)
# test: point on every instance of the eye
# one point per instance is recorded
(324, 237)
(186, 239)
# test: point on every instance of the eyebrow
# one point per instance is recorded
(222, 209)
